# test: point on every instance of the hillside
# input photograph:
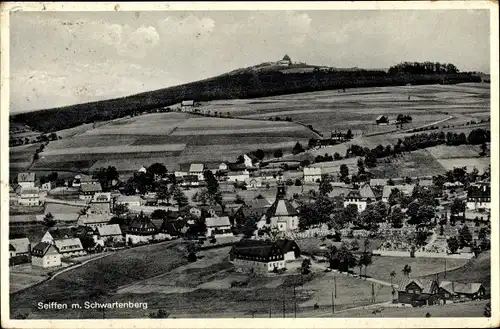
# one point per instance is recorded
(258, 81)
(477, 270)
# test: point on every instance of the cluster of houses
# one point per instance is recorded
(424, 292)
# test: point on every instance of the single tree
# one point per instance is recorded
(305, 267)
(48, 220)
(278, 153)
(406, 270)
(120, 209)
(453, 244)
(392, 276)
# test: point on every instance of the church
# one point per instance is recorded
(282, 215)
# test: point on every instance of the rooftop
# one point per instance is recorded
(217, 221)
(26, 177)
(196, 167)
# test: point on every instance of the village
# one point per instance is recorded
(266, 213)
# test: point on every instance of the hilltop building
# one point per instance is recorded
(282, 214)
(286, 61)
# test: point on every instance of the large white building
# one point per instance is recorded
(218, 226)
(312, 174)
(479, 197)
(29, 196)
(238, 176)
(257, 256)
(197, 169)
(354, 197)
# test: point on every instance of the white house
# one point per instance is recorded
(110, 232)
(26, 179)
(70, 247)
(257, 256)
(87, 191)
(94, 220)
(187, 104)
(354, 197)
(141, 230)
(238, 176)
(29, 196)
(142, 170)
(312, 174)
(218, 226)
(222, 166)
(129, 200)
(45, 255)
(20, 246)
(197, 169)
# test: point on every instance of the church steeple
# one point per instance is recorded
(281, 193)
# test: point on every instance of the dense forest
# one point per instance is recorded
(245, 84)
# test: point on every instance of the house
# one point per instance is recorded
(94, 220)
(453, 184)
(67, 233)
(45, 255)
(257, 256)
(269, 174)
(71, 247)
(80, 180)
(87, 191)
(187, 104)
(100, 204)
(26, 179)
(19, 247)
(110, 232)
(250, 160)
(129, 200)
(141, 230)
(197, 169)
(256, 208)
(238, 176)
(375, 182)
(222, 167)
(195, 211)
(218, 226)
(479, 197)
(450, 292)
(190, 180)
(254, 182)
(382, 120)
(47, 186)
(354, 197)
(29, 196)
(405, 189)
(286, 61)
(290, 249)
(172, 229)
(211, 210)
(142, 170)
(312, 174)
(417, 292)
(338, 136)
(282, 214)
(366, 192)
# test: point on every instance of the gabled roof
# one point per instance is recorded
(41, 249)
(24, 177)
(70, 232)
(29, 190)
(353, 194)
(287, 245)
(172, 227)
(217, 221)
(94, 218)
(460, 288)
(258, 203)
(86, 179)
(75, 243)
(281, 208)
(255, 248)
(21, 245)
(11, 247)
(144, 225)
(91, 187)
(366, 192)
(102, 197)
(187, 103)
(425, 285)
(380, 117)
(128, 198)
(196, 167)
(313, 171)
(107, 230)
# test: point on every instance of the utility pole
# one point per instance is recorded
(333, 304)
(373, 293)
(283, 309)
(335, 285)
(445, 268)
(294, 302)
(269, 312)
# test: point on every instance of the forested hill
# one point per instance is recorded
(243, 83)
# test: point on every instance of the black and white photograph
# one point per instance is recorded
(274, 162)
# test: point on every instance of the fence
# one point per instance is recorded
(423, 254)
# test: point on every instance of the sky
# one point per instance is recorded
(65, 58)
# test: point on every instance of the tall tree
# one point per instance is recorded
(325, 185)
(48, 220)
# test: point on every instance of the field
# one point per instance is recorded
(170, 138)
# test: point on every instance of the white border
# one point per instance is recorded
(494, 321)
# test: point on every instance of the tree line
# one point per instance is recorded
(423, 68)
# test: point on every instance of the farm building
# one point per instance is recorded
(197, 169)
(140, 230)
(450, 292)
(190, 180)
(19, 247)
(378, 182)
(218, 226)
(366, 192)
(254, 182)
(129, 200)
(29, 196)
(87, 191)
(110, 232)
(338, 136)
(382, 120)
(290, 249)
(479, 197)
(354, 197)
(312, 174)
(282, 214)
(405, 189)
(45, 255)
(187, 104)
(211, 210)
(71, 247)
(238, 176)
(257, 256)
(94, 220)
(417, 291)
(26, 179)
